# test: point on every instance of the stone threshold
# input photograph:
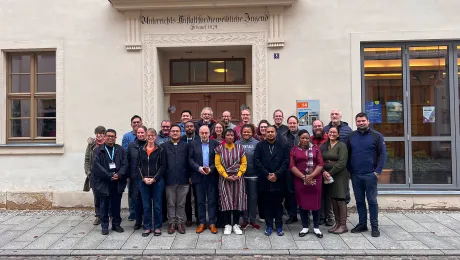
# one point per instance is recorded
(195, 252)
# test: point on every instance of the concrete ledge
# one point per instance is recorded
(29, 200)
(175, 252)
(451, 252)
(404, 252)
(251, 252)
(105, 252)
(2, 200)
(327, 252)
(444, 202)
(35, 252)
(80, 199)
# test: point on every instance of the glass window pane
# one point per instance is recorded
(20, 84)
(429, 91)
(198, 71)
(432, 162)
(46, 62)
(394, 171)
(20, 108)
(180, 72)
(46, 107)
(46, 83)
(216, 71)
(20, 127)
(20, 64)
(384, 89)
(235, 71)
(46, 127)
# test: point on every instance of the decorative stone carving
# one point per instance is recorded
(150, 66)
(276, 23)
(133, 31)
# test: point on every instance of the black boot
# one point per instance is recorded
(291, 220)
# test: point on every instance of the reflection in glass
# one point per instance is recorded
(46, 63)
(395, 165)
(46, 83)
(432, 162)
(198, 71)
(20, 84)
(20, 127)
(20, 64)
(20, 108)
(46, 107)
(46, 127)
(235, 71)
(384, 89)
(429, 91)
(216, 72)
(180, 72)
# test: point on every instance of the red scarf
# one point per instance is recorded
(99, 142)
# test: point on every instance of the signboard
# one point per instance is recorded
(429, 115)
(307, 112)
(374, 111)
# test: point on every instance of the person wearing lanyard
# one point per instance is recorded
(109, 178)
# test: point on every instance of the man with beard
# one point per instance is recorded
(367, 156)
(163, 136)
(342, 127)
(326, 213)
(291, 139)
(185, 116)
(226, 119)
(206, 119)
(278, 118)
(188, 138)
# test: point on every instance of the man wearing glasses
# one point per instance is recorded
(163, 136)
(206, 119)
(278, 118)
(109, 173)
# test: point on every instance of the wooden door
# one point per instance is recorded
(219, 102)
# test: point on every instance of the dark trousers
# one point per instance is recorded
(326, 205)
(304, 216)
(131, 203)
(290, 203)
(260, 205)
(139, 209)
(347, 195)
(250, 214)
(206, 191)
(112, 202)
(228, 217)
(273, 208)
(365, 187)
(188, 204)
(153, 192)
(97, 204)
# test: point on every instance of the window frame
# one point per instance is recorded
(207, 60)
(32, 95)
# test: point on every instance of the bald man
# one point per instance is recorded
(342, 127)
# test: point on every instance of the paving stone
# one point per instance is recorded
(64, 227)
(440, 230)
(358, 243)
(454, 215)
(404, 252)
(382, 242)
(137, 241)
(15, 245)
(309, 245)
(251, 252)
(412, 245)
(52, 221)
(44, 241)
(179, 252)
(160, 242)
(232, 242)
(397, 233)
(65, 243)
(77, 218)
(4, 218)
(327, 252)
(447, 221)
(106, 253)
(5, 227)
(421, 218)
(433, 241)
(209, 241)
(455, 253)
(90, 241)
(9, 235)
(42, 252)
(114, 240)
(16, 220)
(333, 242)
(257, 241)
(411, 226)
(455, 241)
(384, 220)
(80, 231)
(30, 223)
(282, 242)
(32, 234)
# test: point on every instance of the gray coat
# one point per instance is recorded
(249, 149)
(89, 158)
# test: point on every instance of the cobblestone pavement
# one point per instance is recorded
(70, 233)
(234, 258)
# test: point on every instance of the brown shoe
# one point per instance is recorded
(172, 228)
(213, 229)
(201, 228)
(181, 228)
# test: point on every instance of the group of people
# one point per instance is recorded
(236, 171)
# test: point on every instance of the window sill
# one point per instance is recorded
(31, 148)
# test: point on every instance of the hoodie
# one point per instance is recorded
(162, 139)
(249, 149)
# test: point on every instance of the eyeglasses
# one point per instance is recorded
(165, 126)
(175, 131)
(136, 122)
(111, 136)
(263, 126)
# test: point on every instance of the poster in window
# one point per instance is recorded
(429, 115)
(307, 112)
(374, 111)
(394, 111)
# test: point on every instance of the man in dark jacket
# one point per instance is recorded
(272, 161)
(164, 136)
(176, 180)
(109, 173)
(134, 175)
(342, 127)
(206, 119)
(278, 117)
(291, 139)
(188, 138)
(204, 178)
(367, 156)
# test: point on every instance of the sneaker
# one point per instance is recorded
(262, 220)
(137, 226)
(254, 225)
(268, 231)
(359, 228)
(244, 225)
(118, 229)
(375, 232)
(237, 229)
(280, 231)
(97, 221)
(227, 230)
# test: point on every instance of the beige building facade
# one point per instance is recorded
(69, 66)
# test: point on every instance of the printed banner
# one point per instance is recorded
(374, 111)
(394, 111)
(307, 112)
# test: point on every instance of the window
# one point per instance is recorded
(207, 72)
(31, 97)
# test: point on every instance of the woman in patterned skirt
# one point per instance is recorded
(231, 164)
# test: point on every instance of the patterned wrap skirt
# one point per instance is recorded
(232, 194)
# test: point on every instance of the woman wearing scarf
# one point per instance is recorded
(231, 164)
(306, 163)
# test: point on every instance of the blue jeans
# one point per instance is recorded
(365, 186)
(111, 203)
(206, 190)
(152, 192)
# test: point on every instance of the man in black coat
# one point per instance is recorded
(272, 161)
(109, 173)
(204, 178)
(189, 128)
